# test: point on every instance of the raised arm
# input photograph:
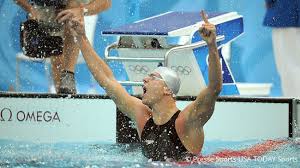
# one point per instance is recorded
(208, 33)
(199, 111)
(129, 105)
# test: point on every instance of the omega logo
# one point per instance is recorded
(7, 115)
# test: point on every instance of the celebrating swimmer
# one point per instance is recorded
(165, 131)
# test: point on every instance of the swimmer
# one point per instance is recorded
(166, 133)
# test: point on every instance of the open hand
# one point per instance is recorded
(207, 30)
(69, 14)
(74, 21)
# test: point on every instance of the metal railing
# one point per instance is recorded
(187, 47)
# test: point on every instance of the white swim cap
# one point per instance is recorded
(170, 77)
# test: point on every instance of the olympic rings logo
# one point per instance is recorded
(182, 70)
(138, 69)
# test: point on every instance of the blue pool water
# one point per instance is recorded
(24, 154)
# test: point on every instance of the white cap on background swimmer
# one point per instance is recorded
(170, 77)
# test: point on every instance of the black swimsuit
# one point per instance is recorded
(161, 142)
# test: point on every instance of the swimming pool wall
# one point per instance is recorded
(93, 118)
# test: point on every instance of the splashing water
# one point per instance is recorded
(105, 154)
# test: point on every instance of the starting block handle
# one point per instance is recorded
(107, 50)
(113, 58)
(155, 59)
(190, 46)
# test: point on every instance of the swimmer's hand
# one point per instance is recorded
(207, 30)
(74, 22)
(69, 14)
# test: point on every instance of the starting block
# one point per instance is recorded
(172, 39)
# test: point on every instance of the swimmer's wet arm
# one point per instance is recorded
(215, 70)
(201, 109)
(98, 67)
(208, 33)
(129, 105)
(95, 6)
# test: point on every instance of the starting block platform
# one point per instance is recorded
(172, 39)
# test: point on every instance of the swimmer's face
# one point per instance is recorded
(153, 89)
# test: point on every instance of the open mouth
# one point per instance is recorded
(144, 90)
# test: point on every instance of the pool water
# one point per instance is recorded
(105, 154)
